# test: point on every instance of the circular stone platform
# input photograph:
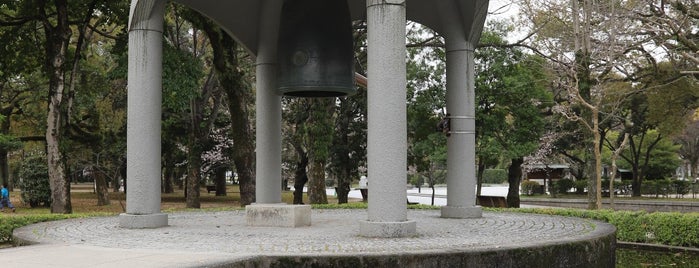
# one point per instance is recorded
(495, 240)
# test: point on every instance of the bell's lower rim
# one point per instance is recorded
(316, 91)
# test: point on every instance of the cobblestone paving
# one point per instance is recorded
(332, 232)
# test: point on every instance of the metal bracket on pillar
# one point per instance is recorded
(464, 117)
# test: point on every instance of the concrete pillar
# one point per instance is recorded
(144, 116)
(268, 137)
(387, 130)
(461, 144)
(268, 209)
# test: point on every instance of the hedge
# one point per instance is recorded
(666, 228)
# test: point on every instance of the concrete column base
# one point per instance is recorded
(134, 221)
(462, 212)
(387, 229)
(278, 215)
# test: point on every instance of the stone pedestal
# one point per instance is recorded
(278, 215)
(386, 229)
(133, 221)
(462, 212)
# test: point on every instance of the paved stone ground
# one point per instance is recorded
(201, 238)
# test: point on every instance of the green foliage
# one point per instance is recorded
(510, 97)
(416, 179)
(669, 104)
(426, 73)
(666, 228)
(495, 176)
(660, 187)
(319, 128)
(9, 142)
(563, 185)
(362, 205)
(34, 181)
(354, 205)
(681, 187)
(182, 73)
(528, 187)
(580, 186)
(652, 258)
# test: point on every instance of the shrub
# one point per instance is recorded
(494, 176)
(580, 186)
(416, 180)
(564, 185)
(529, 187)
(681, 187)
(660, 187)
(666, 228)
(34, 181)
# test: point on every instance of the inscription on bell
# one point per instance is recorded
(300, 58)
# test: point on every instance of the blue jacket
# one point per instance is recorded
(5, 193)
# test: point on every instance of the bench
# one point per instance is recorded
(210, 188)
(492, 201)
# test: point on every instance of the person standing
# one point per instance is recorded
(363, 187)
(5, 201)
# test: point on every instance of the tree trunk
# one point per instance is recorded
(343, 186)
(595, 185)
(220, 177)
(433, 194)
(243, 145)
(193, 178)
(342, 190)
(101, 187)
(168, 174)
(299, 183)
(4, 165)
(514, 175)
(4, 170)
(635, 182)
(300, 175)
(479, 177)
(615, 155)
(57, 41)
(168, 171)
(239, 94)
(319, 134)
(342, 155)
(316, 183)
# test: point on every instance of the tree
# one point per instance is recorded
(58, 21)
(201, 98)
(511, 100)
(667, 100)
(295, 115)
(319, 134)
(672, 24)
(426, 101)
(231, 70)
(348, 151)
(589, 52)
(689, 140)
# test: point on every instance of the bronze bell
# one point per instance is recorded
(315, 50)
